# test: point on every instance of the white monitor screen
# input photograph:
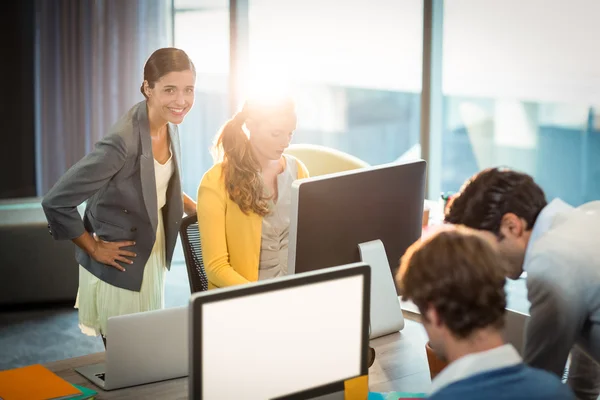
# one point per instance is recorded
(271, 344)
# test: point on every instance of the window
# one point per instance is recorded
(522, 89)
(202, 30)
(354, 68)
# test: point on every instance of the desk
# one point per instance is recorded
(400, 365)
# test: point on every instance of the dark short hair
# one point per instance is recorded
(164, 61)
(460, 275)
(489, 195)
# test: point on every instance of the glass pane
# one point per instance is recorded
(526, 97)
(197, 5)
(204, 34)
(354, 68)
(202, 30)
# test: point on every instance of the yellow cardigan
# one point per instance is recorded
(231, 245)
(230, 239)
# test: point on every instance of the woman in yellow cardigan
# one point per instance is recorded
(244, 200)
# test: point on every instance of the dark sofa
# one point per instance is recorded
(34, 268)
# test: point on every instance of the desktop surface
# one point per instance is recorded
(401, 365)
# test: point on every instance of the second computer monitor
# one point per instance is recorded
(333, 214)
(295, 337)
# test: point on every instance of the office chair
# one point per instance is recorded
(321, 160)
(192, 251)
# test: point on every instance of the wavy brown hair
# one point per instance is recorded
(460, 275)
(241, 169)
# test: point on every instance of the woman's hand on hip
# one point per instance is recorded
(109, 253)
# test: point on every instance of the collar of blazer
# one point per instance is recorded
(147, 161)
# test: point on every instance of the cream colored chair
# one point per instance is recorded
(321, 160)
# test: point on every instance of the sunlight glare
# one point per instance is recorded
(267, 86)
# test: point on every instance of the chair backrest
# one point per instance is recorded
(321, 160)
(192, 251)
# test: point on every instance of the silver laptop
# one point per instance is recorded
(142, 348)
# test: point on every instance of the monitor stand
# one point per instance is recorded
(386, 314)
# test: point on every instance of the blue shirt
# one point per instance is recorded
(508, 383)
(497, 373)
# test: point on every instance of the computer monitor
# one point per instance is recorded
(371, 214)
(294, 337)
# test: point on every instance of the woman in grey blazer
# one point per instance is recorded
(132, 184)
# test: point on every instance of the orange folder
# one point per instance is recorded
(34, 382)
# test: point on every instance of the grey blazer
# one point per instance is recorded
(117, 180)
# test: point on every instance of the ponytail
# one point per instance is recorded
(240, 169)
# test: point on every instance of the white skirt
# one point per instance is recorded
(98, 300)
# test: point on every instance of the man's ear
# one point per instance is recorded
(432, 316)
(512, 225)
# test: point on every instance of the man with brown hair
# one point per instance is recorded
(456, 279)
(558, 246)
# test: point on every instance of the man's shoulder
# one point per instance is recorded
(546, 383)
(572, 236)
(590, 206)
(521, 380)
(581, 219)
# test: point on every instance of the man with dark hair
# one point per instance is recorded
(456, 279)
(558, 246)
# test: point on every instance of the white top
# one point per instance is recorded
(162, 174)
(476, 363)
(276, 224)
